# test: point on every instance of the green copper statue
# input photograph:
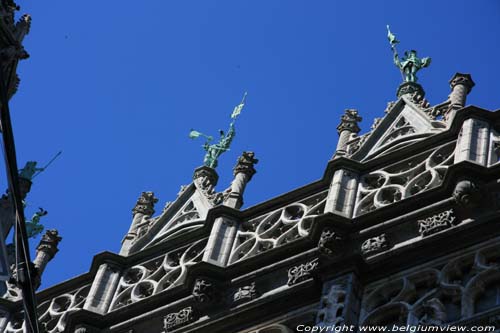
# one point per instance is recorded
(213, 151)
(33, 226)
(410, 64)
(30, 170)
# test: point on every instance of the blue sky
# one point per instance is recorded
(117, 85)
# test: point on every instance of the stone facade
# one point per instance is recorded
(401, 229)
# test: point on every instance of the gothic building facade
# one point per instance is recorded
(401, 229)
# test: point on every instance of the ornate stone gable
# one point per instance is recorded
(405, 122)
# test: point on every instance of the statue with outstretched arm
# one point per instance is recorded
(410, 64)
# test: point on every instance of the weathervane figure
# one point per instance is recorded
(410, 64)
(33, 226)
(213, 151)
(30, 170)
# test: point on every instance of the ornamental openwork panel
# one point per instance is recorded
(154, 276)
(404, 179)
(186, 219)
(445, 292)
(277, 228)
(52, 313)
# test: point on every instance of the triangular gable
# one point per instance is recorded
(186, 213)
(404, 124)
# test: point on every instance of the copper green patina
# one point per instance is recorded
(30, 170)
(410, 64)
(33, 226)
(213, 151)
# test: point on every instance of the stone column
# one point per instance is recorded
(340, 302)
(103, 288)
(243, 173)
(342, 193)
(224, 228)
(461, 85)
(473, 142)
(347, 127)
(45, 252)
(143, 210)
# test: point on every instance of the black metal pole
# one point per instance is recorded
(23, 260)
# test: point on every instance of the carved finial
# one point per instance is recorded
(45, 252)
(246, 164)
(49, 242)
(145, 204)
(462, 79)
(349, 121)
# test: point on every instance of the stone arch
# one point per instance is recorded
(481, 293)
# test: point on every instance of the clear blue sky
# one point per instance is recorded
(117, 85)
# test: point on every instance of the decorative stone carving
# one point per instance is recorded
(433, 313)
(436, 222)
(419, 100)
(349, 121)
(301, 272)
(445, 291)
(410, 88)
(402, 128)
(167, 205)
(403, 179)
(245, 293)
(347, 128)
(466, 193)
(156, 275)
(376, 122)
(45, 252)
(331, 309)
(145, 204)
(177, 319)
(12, 49)
(186, 218)
(330, 242)
(205, 179)
(277, 228)
(389, 106)
(462, 79)
(203, 290)
(374, 245)
(246, 164)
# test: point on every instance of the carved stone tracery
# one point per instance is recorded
(444, 292)
(53, 313)
(404, 179)
(156, 275)
(277, 228)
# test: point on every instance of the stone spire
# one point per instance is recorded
(243, 173)
(12, 49)
(347, 127)
(45, 252)
(142, 212)
(461, 85)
